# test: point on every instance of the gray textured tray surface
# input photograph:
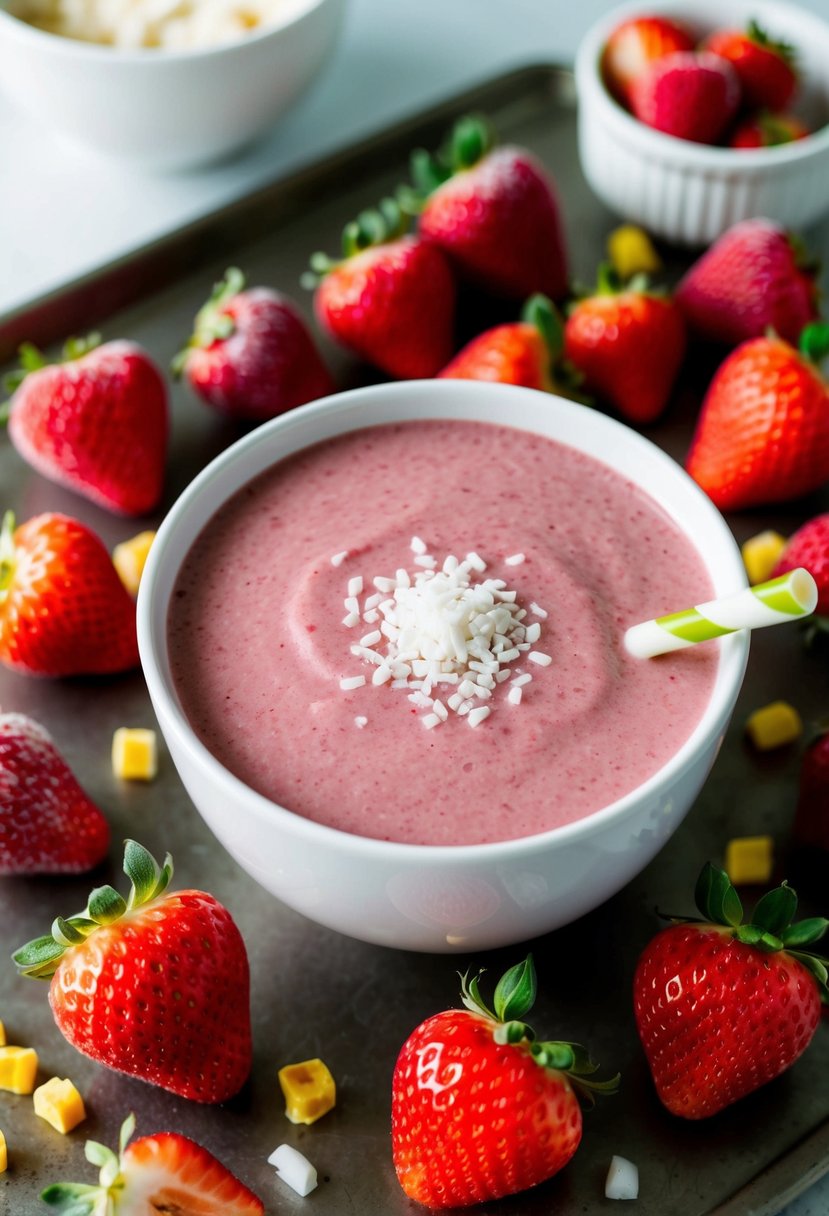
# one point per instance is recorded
(315, 992)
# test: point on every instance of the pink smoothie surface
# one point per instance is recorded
(258, 646)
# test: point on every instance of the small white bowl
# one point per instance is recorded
(440, 898)
(690, 193)
(166, 109)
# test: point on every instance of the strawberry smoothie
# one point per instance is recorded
(279, 636)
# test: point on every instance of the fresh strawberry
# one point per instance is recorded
(690, 95)
(155, 986)
(494, 212)
(756, 277)
(165, 1172)
(479, 1108)
(723, 1007)
(251, 354)
(809, 547)
(634, 45)
(766, 130)
(63, 609)
(766, 69)
(763, 432)
(391, 299)
(48, 825)
(810, 830)
(96, 422)
(628, 344)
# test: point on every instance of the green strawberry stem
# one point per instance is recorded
(470, 140)
(212, 323)
(814, 341)
(32, 360)
(40, 958)
(785, 50)
(375, 226)
(540, 312)
(8, 557)
(80, 1199)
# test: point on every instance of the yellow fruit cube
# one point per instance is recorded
(631, 252)
(4, 1154)
(134, 753)
(18, 1069)
(774, 725)
(749, 859)
(59, 1103)
(760, 554)
(309, 1090)
(129, 558)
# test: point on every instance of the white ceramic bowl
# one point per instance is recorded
(691, 193)
(439, 898)
(164, 109)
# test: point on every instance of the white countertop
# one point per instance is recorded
(64, 213)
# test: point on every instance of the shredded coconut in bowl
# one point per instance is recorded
(165, 24)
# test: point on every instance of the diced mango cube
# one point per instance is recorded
(749, 859)
(59, 1103)
(2, 1035)
(774, 725)
(309, 1090)
(631, 252)
(18, 1069)
(760, 554)
(134, 753)
(4, 1154)
(130, 557)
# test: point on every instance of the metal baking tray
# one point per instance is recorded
(315, 992)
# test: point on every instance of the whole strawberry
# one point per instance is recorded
(48, 825)
(155, 986)
(809, 547)
(390, 300)
(628, 343)
(723, 1007)
(755, 277)
(96, 422)
(763, 432)
(691, 95)
(766, 69)
(165, 1172)
(767, 130)
(251, 354)
(480, 1109)
(635, 44)
(494, 212)
(63, 609)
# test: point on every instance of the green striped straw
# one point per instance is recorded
(786, 598)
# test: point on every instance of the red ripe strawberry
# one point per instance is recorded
(494, 212)
(479, 1108)
(634, 45)
(766, 69)
(96, 422)
(767, 130)
(809, 547)
(165, 1172)
(690, 95)
(628, 344)
(810, 830)
(155, 986)
(63, 609)
(723, 1007)
(251, 354)
(391, 299)
(756, 277)
(48, 825)
(763, 432)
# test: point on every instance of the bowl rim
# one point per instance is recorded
(591, 86)
(61, 44)
(733, 648)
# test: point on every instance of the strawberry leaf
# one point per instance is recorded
(516, 991)
(814, 341)
(716, 898)
(805, 932)
(776, 909)
(106, 905)
(38, 958)
(72, 1198)
(148, 879)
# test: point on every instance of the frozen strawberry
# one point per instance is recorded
(724, 1007)
(494, 212)
(809, 547)
(766, 69)
(756, 277)
(766, 130)
(63, 609)
(634, 45)
(96, 422)
(628, 343)
(155, 985)
(690, 95)
(763, 432)
(162, 1173)
(48, 825)
(251, 354)
(391, 298)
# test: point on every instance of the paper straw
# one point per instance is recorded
(782, 599)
